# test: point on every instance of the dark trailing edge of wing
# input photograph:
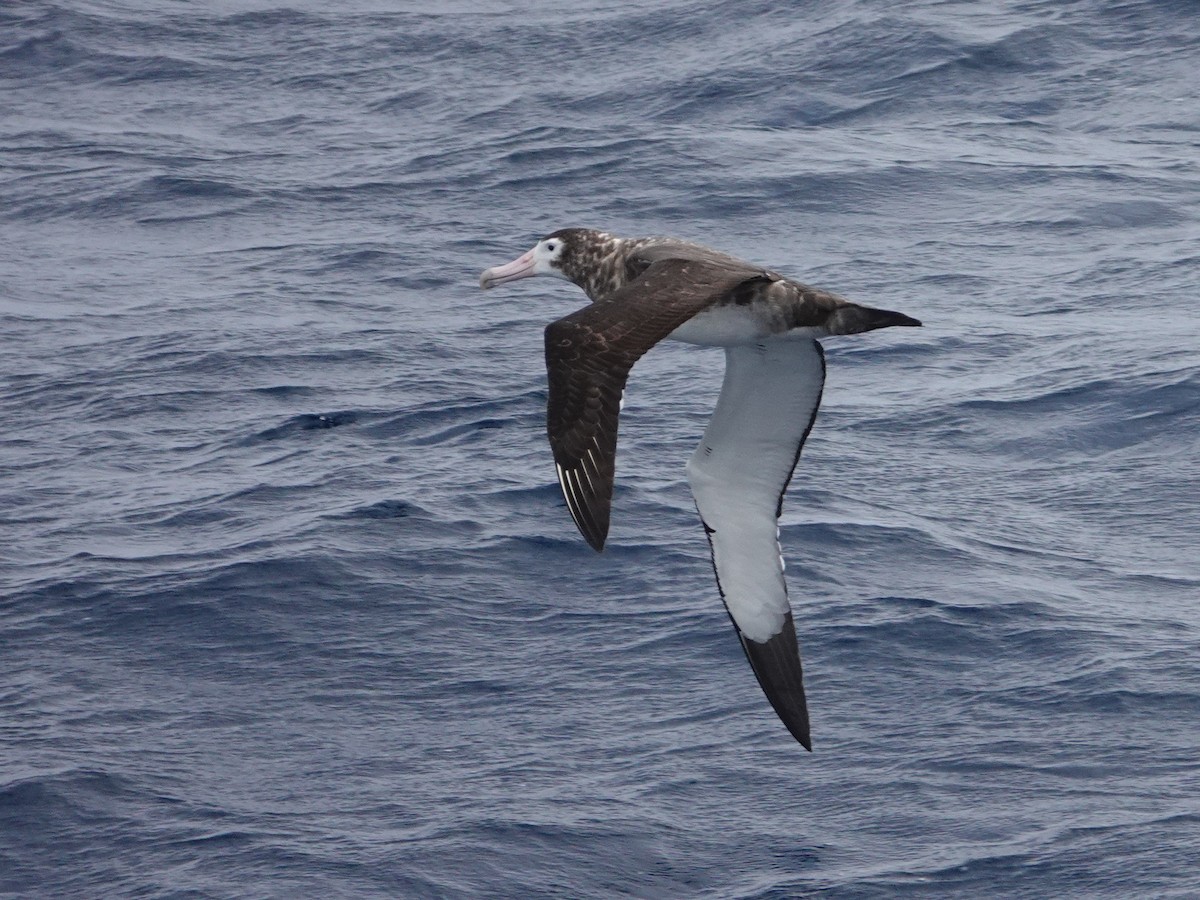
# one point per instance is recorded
(776, 664)
(812, 420)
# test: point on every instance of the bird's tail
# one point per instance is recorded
(853, 319)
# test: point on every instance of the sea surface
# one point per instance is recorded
(291, 603)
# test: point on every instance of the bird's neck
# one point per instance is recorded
(607, 265)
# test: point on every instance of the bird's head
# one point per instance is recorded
(559, 254)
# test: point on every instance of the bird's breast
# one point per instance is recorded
(730, 325)
(722, 326)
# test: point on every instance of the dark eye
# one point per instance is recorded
(551, 247)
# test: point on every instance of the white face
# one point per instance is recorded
(541, 260)
(546, 253)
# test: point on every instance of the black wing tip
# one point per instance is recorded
(804, 737)
(776, 664)
(588, 511)
(797, 726)
(593, 532)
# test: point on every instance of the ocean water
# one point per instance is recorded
(291, 604)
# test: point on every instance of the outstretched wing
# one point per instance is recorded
(738, 475)
(588, 357)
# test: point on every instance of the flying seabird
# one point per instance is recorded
(646, 289)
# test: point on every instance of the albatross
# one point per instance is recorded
(643, 290)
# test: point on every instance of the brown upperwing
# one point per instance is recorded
(588, 356)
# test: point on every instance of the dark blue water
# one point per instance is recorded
(291, 602)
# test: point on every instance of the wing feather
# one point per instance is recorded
(738, 476)
(588, 357)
